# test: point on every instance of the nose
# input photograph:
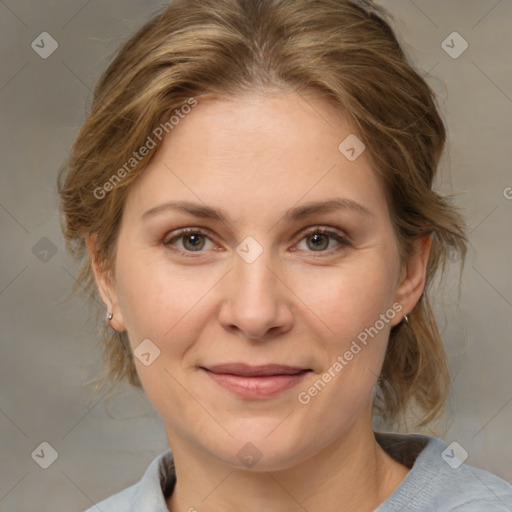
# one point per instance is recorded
(256, 300)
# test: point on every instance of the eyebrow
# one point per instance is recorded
(293, 214)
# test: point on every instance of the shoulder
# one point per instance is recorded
(483, 490)
(469, 489)
(120, 501)
(148, 493)
(439, 480)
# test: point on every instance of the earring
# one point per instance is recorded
(406, 319)
(109, 317)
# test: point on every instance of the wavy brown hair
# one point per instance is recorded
(344, 51)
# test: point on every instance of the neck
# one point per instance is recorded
(352, 473)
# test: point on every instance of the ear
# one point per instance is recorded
(105, 284)
(413, 276)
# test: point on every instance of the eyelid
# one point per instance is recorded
(339, 235)
(325, 229)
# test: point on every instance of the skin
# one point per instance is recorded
(255, 156)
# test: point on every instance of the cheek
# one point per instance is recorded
(162, 302)
(166, 305)
(349, 299)
(356, 310)
(169, 305)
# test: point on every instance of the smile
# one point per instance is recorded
(255, 382)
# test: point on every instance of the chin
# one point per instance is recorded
(262, 448)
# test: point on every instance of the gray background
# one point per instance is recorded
(49, 346)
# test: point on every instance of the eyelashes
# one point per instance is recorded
(321, 234)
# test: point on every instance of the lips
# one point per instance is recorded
(244, 370)
(255, 382)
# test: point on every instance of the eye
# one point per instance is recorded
(193, 240)
(319, 238)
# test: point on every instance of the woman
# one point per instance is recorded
(252, 197)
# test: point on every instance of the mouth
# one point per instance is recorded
(256, 382)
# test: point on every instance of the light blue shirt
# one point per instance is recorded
(437, 482)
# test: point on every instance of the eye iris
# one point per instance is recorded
(194, 244)
(316, 236)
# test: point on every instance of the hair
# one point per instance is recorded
(345, 52)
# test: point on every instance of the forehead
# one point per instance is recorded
(257, 153)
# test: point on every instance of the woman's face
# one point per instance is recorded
(259, 288)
